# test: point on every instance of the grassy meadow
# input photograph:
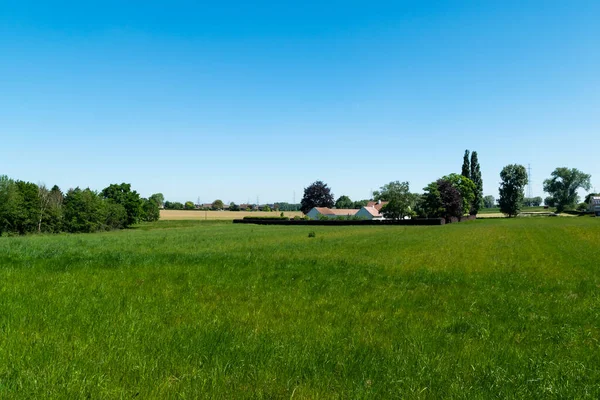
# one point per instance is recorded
(183, 309)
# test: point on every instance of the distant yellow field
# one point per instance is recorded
(223, 215)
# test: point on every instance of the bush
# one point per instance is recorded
(269, 218)
(312, 234)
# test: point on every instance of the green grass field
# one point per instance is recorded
(496, 210)
(182, 309)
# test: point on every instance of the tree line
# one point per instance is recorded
(455, 195)
(219, 205)
(27, 207)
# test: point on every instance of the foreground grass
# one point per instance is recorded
(505, 308)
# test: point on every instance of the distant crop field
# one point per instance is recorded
(174, 215)
(499, 308)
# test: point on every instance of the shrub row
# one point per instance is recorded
(337, 222)
(268, 218)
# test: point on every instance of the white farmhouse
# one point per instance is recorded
(320, 212)
(369, 213)
(595, 205)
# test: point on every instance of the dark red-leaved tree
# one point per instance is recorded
(451, 199)
(316, 195)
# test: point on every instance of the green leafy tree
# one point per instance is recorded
(451, 198)
(318, 194)
(129, 199)
(266, 208)
(53, 218)
(401, 201)
(441, 199)
(115, 215)
(478, 181)
(158, 198)
(234, 207)
(84, 211)
(430, 205)
(489, 201)
(549, 201)
(217, 205)
(151, 210)
(532, 201)
(514, 179)
(10, 202)
(563, 186)
(189, 205)
(344, 202)
(29, 207)
(465, 186)
(360, 204)
(466, 167)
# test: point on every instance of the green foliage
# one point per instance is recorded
(217, 205)
(549, 201)
(29, 207)
(10, 203)
(563, 186)
(478, 181)
(466, 167)
(441, 199)
(489, 201)
(344, 202)
(234, 207)
(266, 208)
(158, 198)
(189, 205)
(129, 199)
(175, 205)
(283, 206)
(401, 202)
(466, 188)
(583, 207)
(451, 198)
(52, 221)
(489, 309)
(431, 205)
(151, 210)
(360, 204)
(85, 212)
(514, 179)
(532, 202)
(318, 194)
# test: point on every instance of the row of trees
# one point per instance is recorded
(455, 195)
(26, 208)
(450, 196)
(562, 187)
(219, 205)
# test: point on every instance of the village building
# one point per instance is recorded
(369, 213)
(320, 212)
(595, 205)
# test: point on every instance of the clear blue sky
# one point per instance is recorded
(247, 99)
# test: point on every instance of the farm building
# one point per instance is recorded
(595, 205)
(320, 212)
(369, 213)
(363, 213)
(378, 205)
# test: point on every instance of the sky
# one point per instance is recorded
(256, 100)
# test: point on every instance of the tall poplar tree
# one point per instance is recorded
(466, 167)
(476, 178)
